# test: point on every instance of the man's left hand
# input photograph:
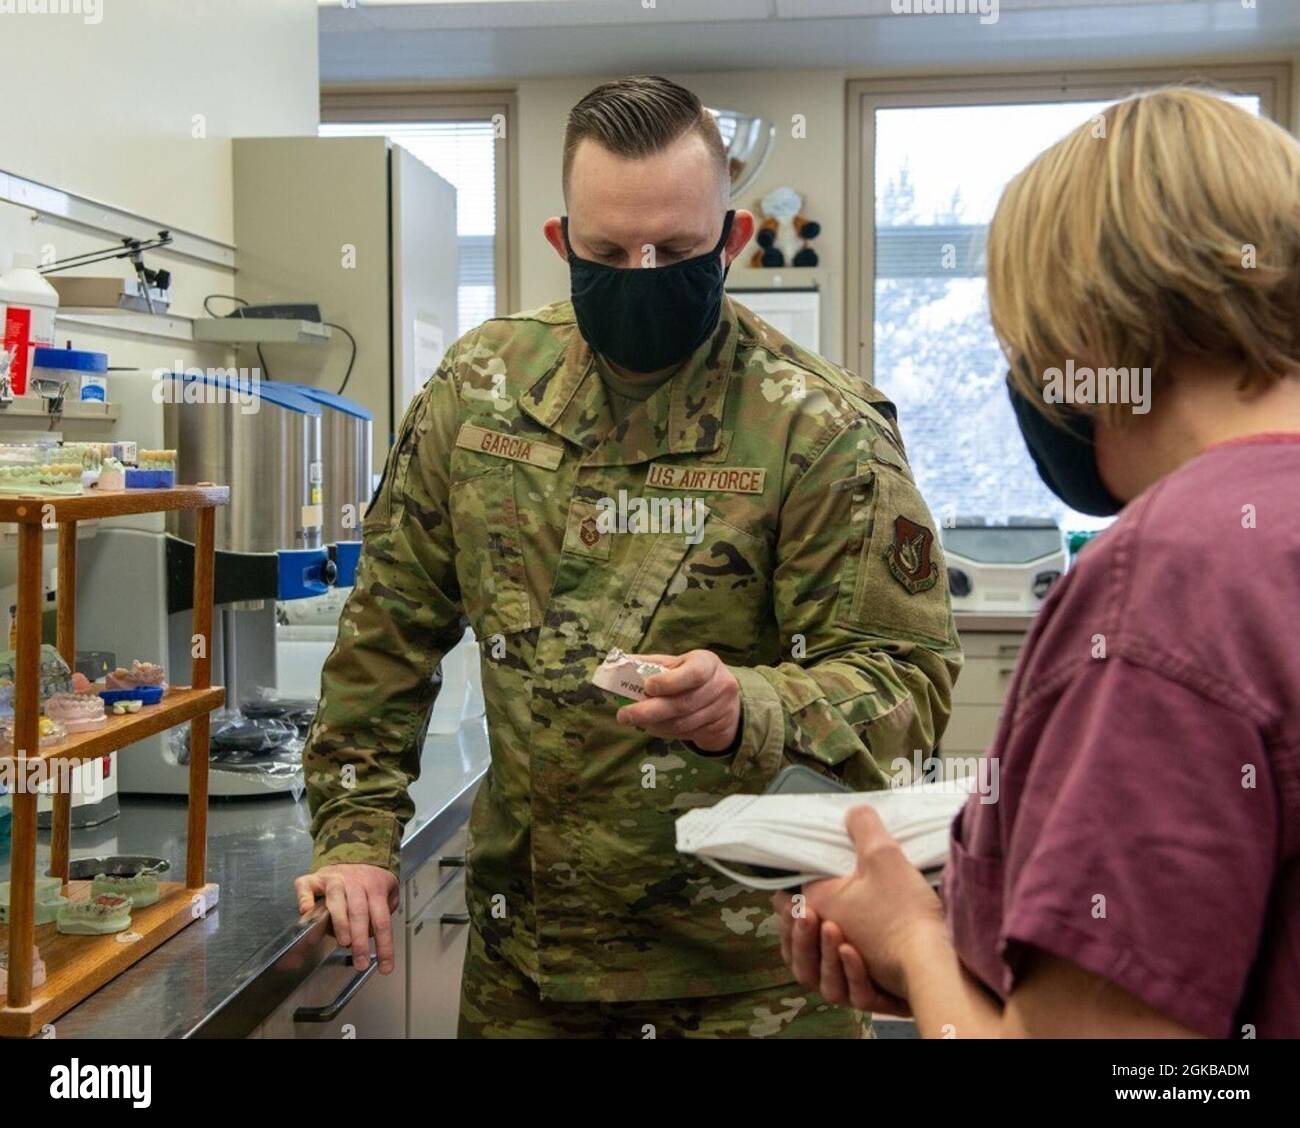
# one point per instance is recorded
(696, 699)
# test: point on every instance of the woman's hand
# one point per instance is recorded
(816, 953)
(856, 933)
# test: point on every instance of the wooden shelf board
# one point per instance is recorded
(78, 966)
(31, 508)
(179, 704)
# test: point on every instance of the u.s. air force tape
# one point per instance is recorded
(708, 479)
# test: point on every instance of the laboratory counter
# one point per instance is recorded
(223, 975)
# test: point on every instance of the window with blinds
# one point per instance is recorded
(463, 153)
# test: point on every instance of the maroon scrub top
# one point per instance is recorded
(1147, 821)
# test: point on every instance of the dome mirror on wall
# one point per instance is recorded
(749, 140)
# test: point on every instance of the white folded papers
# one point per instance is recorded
(806, 836)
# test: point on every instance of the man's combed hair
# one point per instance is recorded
(1169, 226)
(638, 116)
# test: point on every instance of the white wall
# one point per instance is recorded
(107, 110)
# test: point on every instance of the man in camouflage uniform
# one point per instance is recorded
(802, 607)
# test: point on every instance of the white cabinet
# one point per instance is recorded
(981, 690)
(437, 927)
(436, 939)
(337, 1002)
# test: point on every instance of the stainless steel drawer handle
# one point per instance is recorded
(330, 1011)
(454, 918)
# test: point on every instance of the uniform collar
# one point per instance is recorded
(684, 416)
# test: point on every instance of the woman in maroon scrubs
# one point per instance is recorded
(1139, 874)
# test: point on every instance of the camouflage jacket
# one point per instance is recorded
(815, 576)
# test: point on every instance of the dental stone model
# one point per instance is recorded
(99, 916)
(48, 901)
(50, 477)
(112, 475)
(141, 890)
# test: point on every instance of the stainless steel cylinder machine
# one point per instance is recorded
(297, 460)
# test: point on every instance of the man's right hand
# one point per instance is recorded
(361, 900)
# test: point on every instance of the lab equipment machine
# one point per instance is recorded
(1002, 569)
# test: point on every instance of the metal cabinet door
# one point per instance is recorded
(435, 945)
(336, 1002)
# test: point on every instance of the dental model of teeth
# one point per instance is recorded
(156, 460)
(141, 890)
(76, 712)
(49, 477)
(112, 475)
(140, 673)
(99, 916)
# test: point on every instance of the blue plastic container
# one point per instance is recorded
(149, 479)
(149, 694)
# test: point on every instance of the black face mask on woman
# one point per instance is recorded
(648, 318)
(1065, 455)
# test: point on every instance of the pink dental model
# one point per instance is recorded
(140, 673)
(76, 712)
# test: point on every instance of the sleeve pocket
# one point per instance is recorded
(387, 501)
(893, 577)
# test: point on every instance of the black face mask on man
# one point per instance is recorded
(1065, 455)
(648, 318)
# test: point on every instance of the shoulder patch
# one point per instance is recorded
(909, 556)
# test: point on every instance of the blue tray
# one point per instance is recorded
(149, 694)
(150, 479)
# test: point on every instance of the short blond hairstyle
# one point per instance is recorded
(638, 116)
(1168, 225)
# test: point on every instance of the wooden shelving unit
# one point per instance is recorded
(77, 966)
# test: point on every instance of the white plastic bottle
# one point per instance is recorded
(27, 307)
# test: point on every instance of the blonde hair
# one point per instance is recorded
(1169, 224)
(638, 116)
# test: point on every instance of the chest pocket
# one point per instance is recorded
(644, 593)
(712, 594)
(490, 562)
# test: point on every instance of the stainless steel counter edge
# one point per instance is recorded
(274, 974)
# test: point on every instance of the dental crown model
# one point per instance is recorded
(112, 475)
